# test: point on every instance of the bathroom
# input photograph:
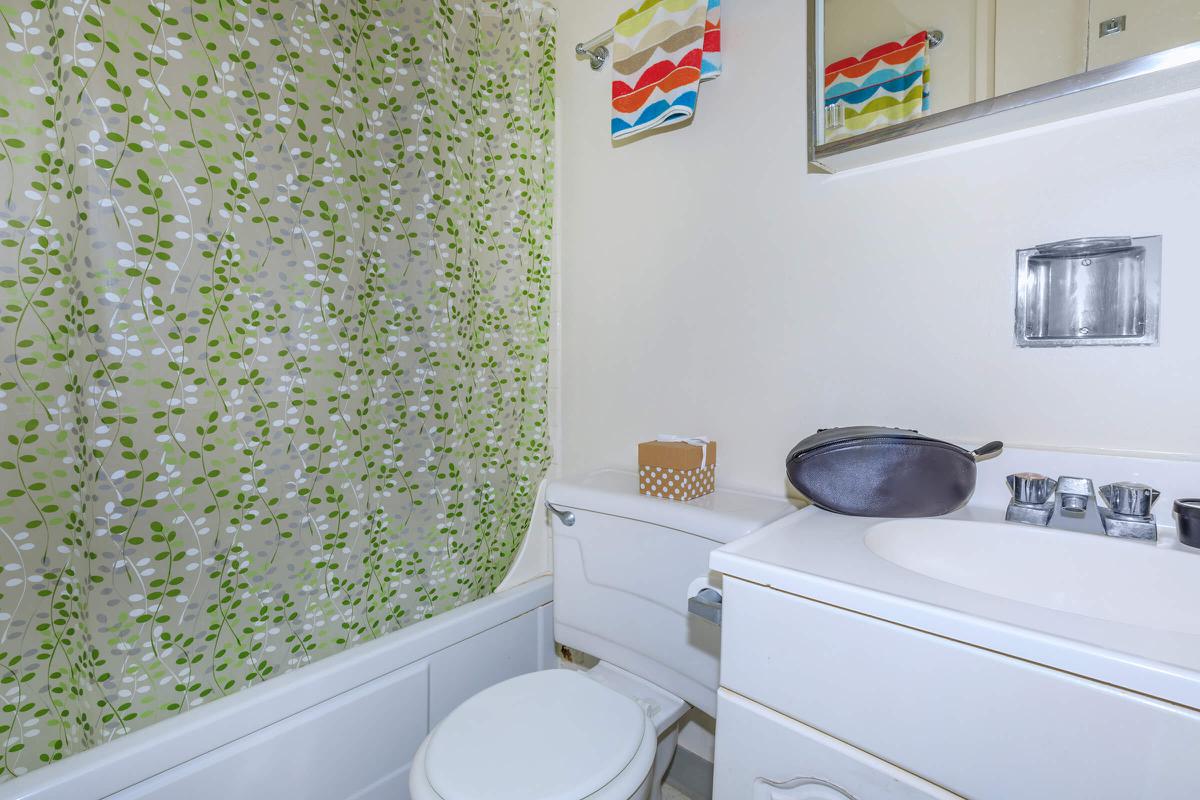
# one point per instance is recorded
(321, 320)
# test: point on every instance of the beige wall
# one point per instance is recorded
(1153, 25)
(1038, 42)
(711, 285)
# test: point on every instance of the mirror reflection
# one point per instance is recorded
(891, 61)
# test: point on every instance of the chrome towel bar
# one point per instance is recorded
(597, 54)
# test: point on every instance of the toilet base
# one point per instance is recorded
(667, 741)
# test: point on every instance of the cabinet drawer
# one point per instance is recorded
(981, 724)
(763, 755)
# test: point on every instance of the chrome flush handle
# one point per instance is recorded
(567, 518)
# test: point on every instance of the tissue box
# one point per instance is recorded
(673, 471)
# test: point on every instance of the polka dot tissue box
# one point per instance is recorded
(675, 468)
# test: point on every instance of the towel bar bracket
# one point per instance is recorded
(597, 54)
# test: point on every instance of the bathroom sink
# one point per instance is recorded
(1131, 583)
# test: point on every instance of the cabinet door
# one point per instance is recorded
(763, 755)
(979, 723)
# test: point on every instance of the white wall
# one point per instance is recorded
(711, 285)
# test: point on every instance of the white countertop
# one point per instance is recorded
(825, 557)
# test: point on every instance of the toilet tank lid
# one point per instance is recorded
(723, 516)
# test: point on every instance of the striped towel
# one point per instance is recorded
(887, 86)
(658, 58)
(711, 65)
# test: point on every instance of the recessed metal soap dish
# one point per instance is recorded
(1100, 291)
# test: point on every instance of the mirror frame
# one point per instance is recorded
(1139, 79)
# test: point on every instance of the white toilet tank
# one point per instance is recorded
(623, 572)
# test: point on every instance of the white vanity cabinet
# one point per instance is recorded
(763, 755)
(813, 691)
(963, 654)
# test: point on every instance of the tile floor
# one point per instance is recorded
(671, 793)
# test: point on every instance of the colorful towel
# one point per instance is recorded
(888, 85)
(711, 66)
(658, 55)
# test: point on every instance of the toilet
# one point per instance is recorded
(624, 568)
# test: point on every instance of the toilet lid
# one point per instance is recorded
(553, 735)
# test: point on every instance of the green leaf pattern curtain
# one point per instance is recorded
(274, 286)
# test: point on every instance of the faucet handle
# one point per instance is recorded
(1031, 489)
(1130, 499)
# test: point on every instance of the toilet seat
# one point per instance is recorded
(552, 735)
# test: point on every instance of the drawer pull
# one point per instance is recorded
(706, 604)
(798, 789)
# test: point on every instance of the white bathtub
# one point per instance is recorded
(345, 728)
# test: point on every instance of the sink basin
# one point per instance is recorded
(1126, 582)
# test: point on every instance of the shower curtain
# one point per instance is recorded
(274, 286)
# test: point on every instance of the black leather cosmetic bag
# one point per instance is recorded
(884, 472)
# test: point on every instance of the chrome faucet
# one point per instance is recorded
(1070, 503)
(1128, 514)
(1033, 498)
(1080, 510)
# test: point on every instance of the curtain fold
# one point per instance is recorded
(274, 287)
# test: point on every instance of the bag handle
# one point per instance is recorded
(989, 450)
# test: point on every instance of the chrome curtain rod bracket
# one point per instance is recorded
(595, 51)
